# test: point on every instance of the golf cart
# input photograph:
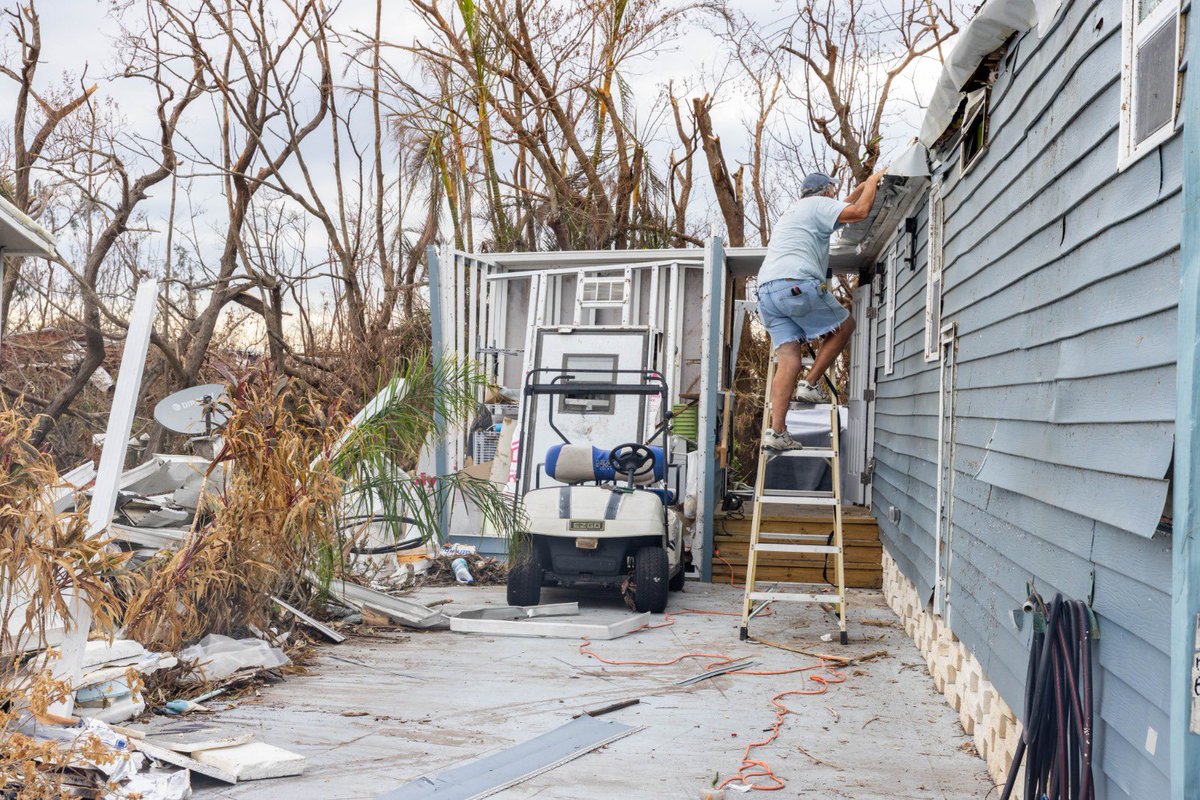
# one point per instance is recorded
(609, 520)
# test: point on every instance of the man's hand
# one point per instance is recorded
(861, 199)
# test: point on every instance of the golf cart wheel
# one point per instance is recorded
(650, 579)
(525, 581)
(678, 580)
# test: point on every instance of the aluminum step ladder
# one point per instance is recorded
(834, 597)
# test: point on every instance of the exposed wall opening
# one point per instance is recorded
(975, 130)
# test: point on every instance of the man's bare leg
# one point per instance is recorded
(831, 346)
(786, 372)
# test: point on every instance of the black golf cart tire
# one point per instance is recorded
(525, 581)
(678, 580)
(651, 576)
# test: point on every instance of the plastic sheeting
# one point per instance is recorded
(218, 656)
(987, 30)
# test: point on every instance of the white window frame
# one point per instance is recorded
(889, 330)
(934, 272)
(1132, 34)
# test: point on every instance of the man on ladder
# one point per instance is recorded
(796, 306)
(794, 298)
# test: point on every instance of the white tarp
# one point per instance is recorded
(995, 21)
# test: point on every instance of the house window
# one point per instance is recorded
(588, 368)
(975, 130)
(933, 285)
(1149, 76)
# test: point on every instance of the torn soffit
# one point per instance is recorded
(860, 244)
(20, 235)
(991, 26)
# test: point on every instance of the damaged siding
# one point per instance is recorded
(1062, 275)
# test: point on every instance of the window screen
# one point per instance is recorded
(600, 368)
(1154, 84)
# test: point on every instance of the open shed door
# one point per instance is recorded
(856, 449)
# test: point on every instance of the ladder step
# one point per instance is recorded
(797, 597)
(815, 452)
(796, 548)
(795, 537)
(793, 500)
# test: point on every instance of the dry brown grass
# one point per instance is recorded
(274, 520)
(44, 558)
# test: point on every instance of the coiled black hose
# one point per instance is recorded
(1056, 744)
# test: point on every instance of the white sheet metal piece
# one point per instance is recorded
(995, 21)
(551, 630)
(108, 474)
(501, 770)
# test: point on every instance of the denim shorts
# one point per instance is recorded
(808, 314)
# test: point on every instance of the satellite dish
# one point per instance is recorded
(196, 411)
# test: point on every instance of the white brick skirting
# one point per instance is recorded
(957, 675)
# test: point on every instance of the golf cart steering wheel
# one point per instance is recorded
(632, 459)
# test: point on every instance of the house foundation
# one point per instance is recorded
(957, 674)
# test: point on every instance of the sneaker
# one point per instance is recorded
(807, 393)
(780, 441)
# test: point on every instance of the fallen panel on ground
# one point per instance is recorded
(405, 612)
(520, 612)
(555, 630)
(501, 770)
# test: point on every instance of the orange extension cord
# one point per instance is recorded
(750, 768)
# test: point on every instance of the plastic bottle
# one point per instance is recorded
(461, 573)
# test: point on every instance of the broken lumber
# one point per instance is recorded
(326, 631)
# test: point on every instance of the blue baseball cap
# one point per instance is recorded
(814, 183)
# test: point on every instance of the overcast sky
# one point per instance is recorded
(79, 35)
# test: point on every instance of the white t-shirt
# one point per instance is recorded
(799, 246)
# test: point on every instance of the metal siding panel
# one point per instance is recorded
(1139, 449)
(1142, 396)
(1132, 504)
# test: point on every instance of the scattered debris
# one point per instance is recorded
(253, 761)
(167, 756)
(721, 670)
(397, 609)
(521, 612)
(326, 631)
(486, 571)
(217, 657)
(617, 706)
(507, 768)
(192, 737)
(557, 630)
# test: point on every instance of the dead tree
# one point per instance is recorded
(853, 52)
(105, 188)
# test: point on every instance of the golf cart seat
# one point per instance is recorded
(581, 463)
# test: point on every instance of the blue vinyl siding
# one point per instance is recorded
(1062, 275)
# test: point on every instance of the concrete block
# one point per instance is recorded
(253, 761)
(965, 719)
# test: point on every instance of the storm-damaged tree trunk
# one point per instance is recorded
(728, 188)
